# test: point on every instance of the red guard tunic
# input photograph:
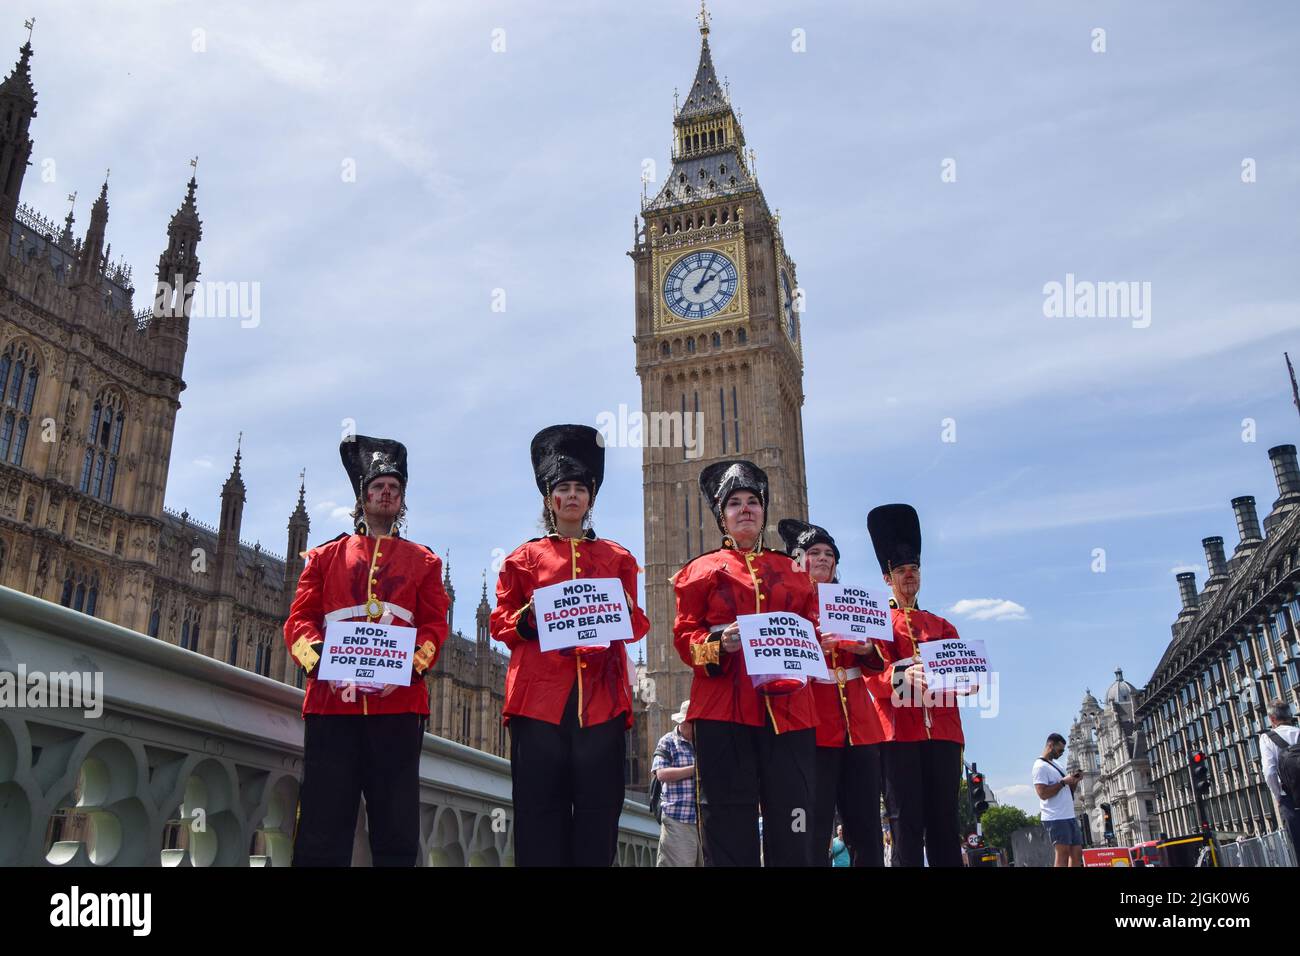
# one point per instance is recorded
(538, 683)
(907, 723)
(846, 713)
(340, 579)
(711, 592)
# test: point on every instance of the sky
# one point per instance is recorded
(378, 174)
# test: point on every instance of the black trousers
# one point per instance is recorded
(921, 785)
(568, 789)
(1291, 821)
(344, 757)
(741, 768)
(849, 778)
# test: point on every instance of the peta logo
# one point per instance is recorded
(365, 672)
(793, 665)
(103, 909)
(584, 635)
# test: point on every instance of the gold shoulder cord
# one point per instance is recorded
(916, 648)
(759, 598)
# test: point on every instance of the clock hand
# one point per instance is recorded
(707, 278)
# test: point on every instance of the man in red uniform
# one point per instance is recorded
(365, 739)
(922, 752)
(568, 713)
(751, 748)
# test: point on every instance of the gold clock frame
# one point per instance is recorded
(666, 320)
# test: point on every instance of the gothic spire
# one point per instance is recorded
(66, 237)
(178, 266)
(300, 512)
(707, 94)
(235, 483)
(91, 262)
(188, 213)
(709, 159)
(19, 81)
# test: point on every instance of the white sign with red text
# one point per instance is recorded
(584, 612)
(954, 664)
(781, 643)
(854, 614)
(362, 652)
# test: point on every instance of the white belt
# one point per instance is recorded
(850, 673)
(391, 611)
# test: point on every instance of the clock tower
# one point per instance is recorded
(718, 352)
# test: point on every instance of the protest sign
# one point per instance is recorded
(781, 644)
(363, 652)
(854, 614)
(954, 664)
(584, 612)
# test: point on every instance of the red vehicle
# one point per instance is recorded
(1146, 854)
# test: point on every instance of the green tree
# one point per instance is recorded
(965, 816)
(1000, 822)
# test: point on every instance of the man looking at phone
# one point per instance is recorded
(1055, 789)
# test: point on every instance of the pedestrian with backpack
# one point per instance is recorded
(1279, 749)
(673, 796)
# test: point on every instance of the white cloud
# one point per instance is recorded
(989, 609)
(282, 61)
(1183, 568)
(203, 462)
(1020, 795)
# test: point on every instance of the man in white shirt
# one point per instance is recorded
(1283, 726)
(1055, 789)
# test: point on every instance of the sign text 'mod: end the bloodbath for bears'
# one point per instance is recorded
(583, 605)
(784, 637)
(373, 649)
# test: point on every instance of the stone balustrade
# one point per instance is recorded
(187, 761)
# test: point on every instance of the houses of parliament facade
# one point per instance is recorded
(89, 393)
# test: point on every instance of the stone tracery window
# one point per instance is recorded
(80, 590)
(103, 443)
(190, 628)
(19, 373)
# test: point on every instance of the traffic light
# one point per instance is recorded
(1200, 773)
(979, 800)
(1107, 827)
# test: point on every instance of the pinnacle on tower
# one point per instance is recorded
(90, 264)
(19, 81)
(706, 94)
(17, 107)
(66, 238)
(236, 480)
(301, 510)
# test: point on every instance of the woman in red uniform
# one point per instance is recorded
(848, 729)
(751, 749)
(922, 754)
(567, 712)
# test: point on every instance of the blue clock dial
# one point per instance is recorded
(787, 306)
(700, 284)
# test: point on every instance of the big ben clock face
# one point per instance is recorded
(787, 305)
(700, 284)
